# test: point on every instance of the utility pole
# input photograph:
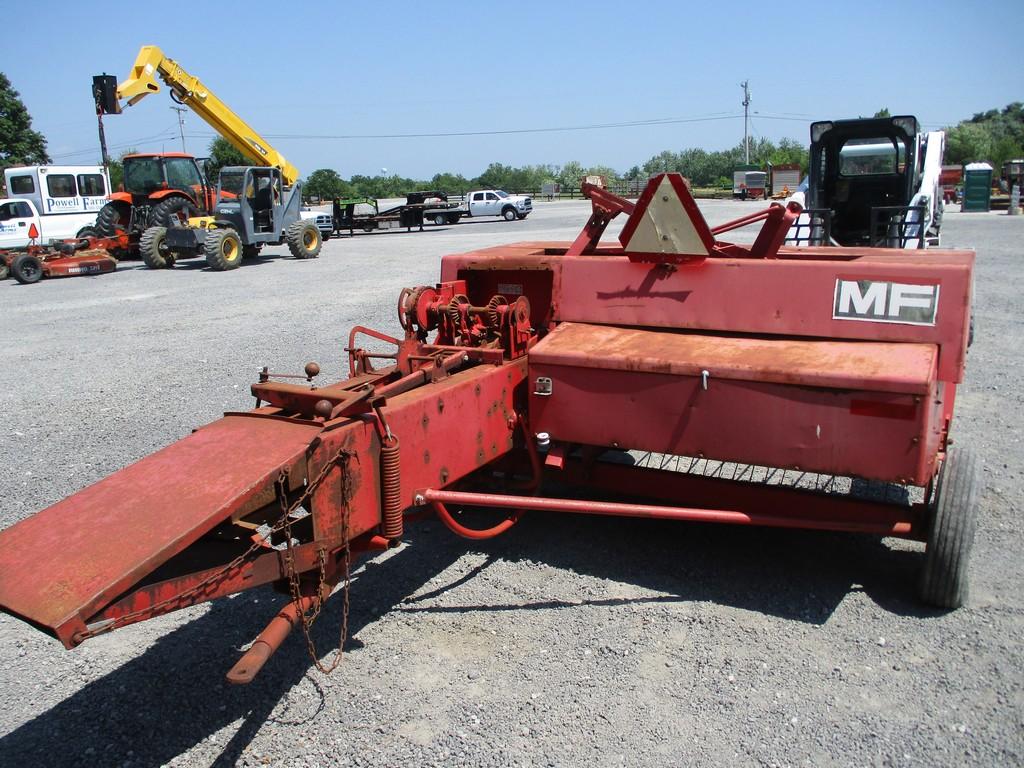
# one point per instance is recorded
(746, 120)
(181, 127)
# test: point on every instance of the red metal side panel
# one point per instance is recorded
(874, 432)
(60, 566)
(765, 296)
(793, 295)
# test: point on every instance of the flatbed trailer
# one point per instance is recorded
(410, 214)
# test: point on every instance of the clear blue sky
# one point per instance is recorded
(342, 69)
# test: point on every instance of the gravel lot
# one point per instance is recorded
(569, 641)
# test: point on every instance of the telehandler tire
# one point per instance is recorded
(304, 240)
(954, 518)
(223, 249)
(152, 249)
(27, 269)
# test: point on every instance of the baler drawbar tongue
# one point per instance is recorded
(65, 565)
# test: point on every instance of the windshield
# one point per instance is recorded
(500, 193)
(142, 175)
(866, 157)
(231, 182)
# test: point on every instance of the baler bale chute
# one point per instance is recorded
(840, 361)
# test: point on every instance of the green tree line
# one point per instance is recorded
(994, 136)
(703, 168)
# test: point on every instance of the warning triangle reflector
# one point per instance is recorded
(667, 222)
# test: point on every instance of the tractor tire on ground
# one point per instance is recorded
(26, 269)
(509, 214)
(304, 240)
(152, 249)
(85, 232)
(113, 219)
(954, 517)
(172, 212)
(223, 249)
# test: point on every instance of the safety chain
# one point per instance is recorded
(283, 524)
(307, 619)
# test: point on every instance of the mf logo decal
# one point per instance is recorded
(882, 302)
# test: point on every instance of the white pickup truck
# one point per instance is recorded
(484, 202)
(61, 201)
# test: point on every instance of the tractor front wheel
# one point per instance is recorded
(27, 269)
(304, 240)
(223, 249)
(954, 518)
(152, 249)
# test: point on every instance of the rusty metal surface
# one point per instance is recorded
(791, 295)
(875, 366)
(668, 406)
(59, 566)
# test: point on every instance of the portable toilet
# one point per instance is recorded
(977, 187)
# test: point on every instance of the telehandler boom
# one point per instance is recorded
(189, 90)
(260, 207)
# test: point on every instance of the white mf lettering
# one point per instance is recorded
(884, 302)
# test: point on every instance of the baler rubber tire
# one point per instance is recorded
(214, 244)
(113, 218)
(149, 248)
(27, 269)
(298, 238)
(951, 527)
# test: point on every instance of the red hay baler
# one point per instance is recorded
(559, 362)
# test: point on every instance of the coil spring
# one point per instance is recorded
(391, 486)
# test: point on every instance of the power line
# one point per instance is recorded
(503, 132)
(165, 134)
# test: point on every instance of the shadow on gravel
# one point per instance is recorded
(173, 696)
(795, 575)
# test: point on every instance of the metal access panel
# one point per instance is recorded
(868, 409)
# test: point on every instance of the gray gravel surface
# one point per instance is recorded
(569, 641)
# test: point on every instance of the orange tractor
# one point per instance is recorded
(159, 190)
